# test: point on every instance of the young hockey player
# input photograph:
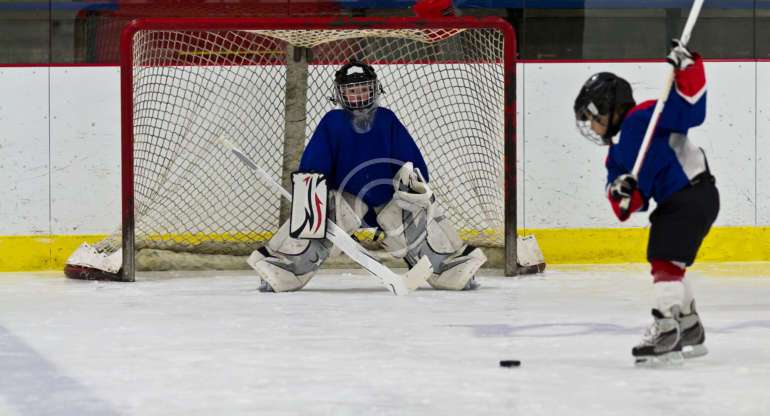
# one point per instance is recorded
(675, 174)
(376, 175)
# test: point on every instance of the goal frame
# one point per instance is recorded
(316, 23)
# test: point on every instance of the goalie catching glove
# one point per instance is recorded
(412, 193)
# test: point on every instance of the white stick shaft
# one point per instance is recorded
(248, 162)
(653, 123)
(685, 38)
(691, 19)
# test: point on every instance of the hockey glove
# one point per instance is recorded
(624, 196)
(680, 56)
(412, 193)
(622, 187)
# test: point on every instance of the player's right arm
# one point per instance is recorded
(686, 104)
(405, 149)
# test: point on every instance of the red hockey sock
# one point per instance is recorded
(666, 271)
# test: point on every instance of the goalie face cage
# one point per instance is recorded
(264, 84)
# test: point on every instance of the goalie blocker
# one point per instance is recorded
(309, 205)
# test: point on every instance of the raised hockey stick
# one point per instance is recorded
(691, 19)
(399, 285)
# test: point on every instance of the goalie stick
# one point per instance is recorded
(399, 285)
(691, 19)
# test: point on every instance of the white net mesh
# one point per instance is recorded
(190, 87)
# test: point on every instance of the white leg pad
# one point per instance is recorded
(390, 219)
(293, 261)
(427, 232)
(406, 233)
(281, 279)
(349, 211)
(442, 234)
(458, 270)
(284, 244)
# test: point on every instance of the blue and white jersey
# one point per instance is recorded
(672, 159)
(362, 164)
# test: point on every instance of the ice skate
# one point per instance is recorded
(661, 345)
(693, 335)
(472, 284)
(265, 287)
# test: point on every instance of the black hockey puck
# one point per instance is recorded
(510, 363)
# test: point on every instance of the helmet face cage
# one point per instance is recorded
(584, 116)
(356, 86)
(357, 95)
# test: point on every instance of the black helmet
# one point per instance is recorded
(603, 94)
(356, 75)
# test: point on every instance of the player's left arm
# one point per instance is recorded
(405, 149)
(318, 155)
(686, 104)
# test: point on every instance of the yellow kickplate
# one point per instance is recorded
(559, 246)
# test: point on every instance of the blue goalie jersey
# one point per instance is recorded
(362, 164)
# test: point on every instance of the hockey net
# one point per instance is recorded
(188, 203)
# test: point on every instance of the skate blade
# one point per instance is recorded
(670, 359)
(694, 351)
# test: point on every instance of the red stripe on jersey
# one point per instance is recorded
(641, 106)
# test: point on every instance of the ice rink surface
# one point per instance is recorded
(198, 343)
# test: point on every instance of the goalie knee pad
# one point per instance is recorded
(427, 232)
(413, 234)
(347, 211)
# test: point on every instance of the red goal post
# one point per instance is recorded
(186, 80)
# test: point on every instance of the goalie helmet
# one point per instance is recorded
(604, 94)
(356, 89)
